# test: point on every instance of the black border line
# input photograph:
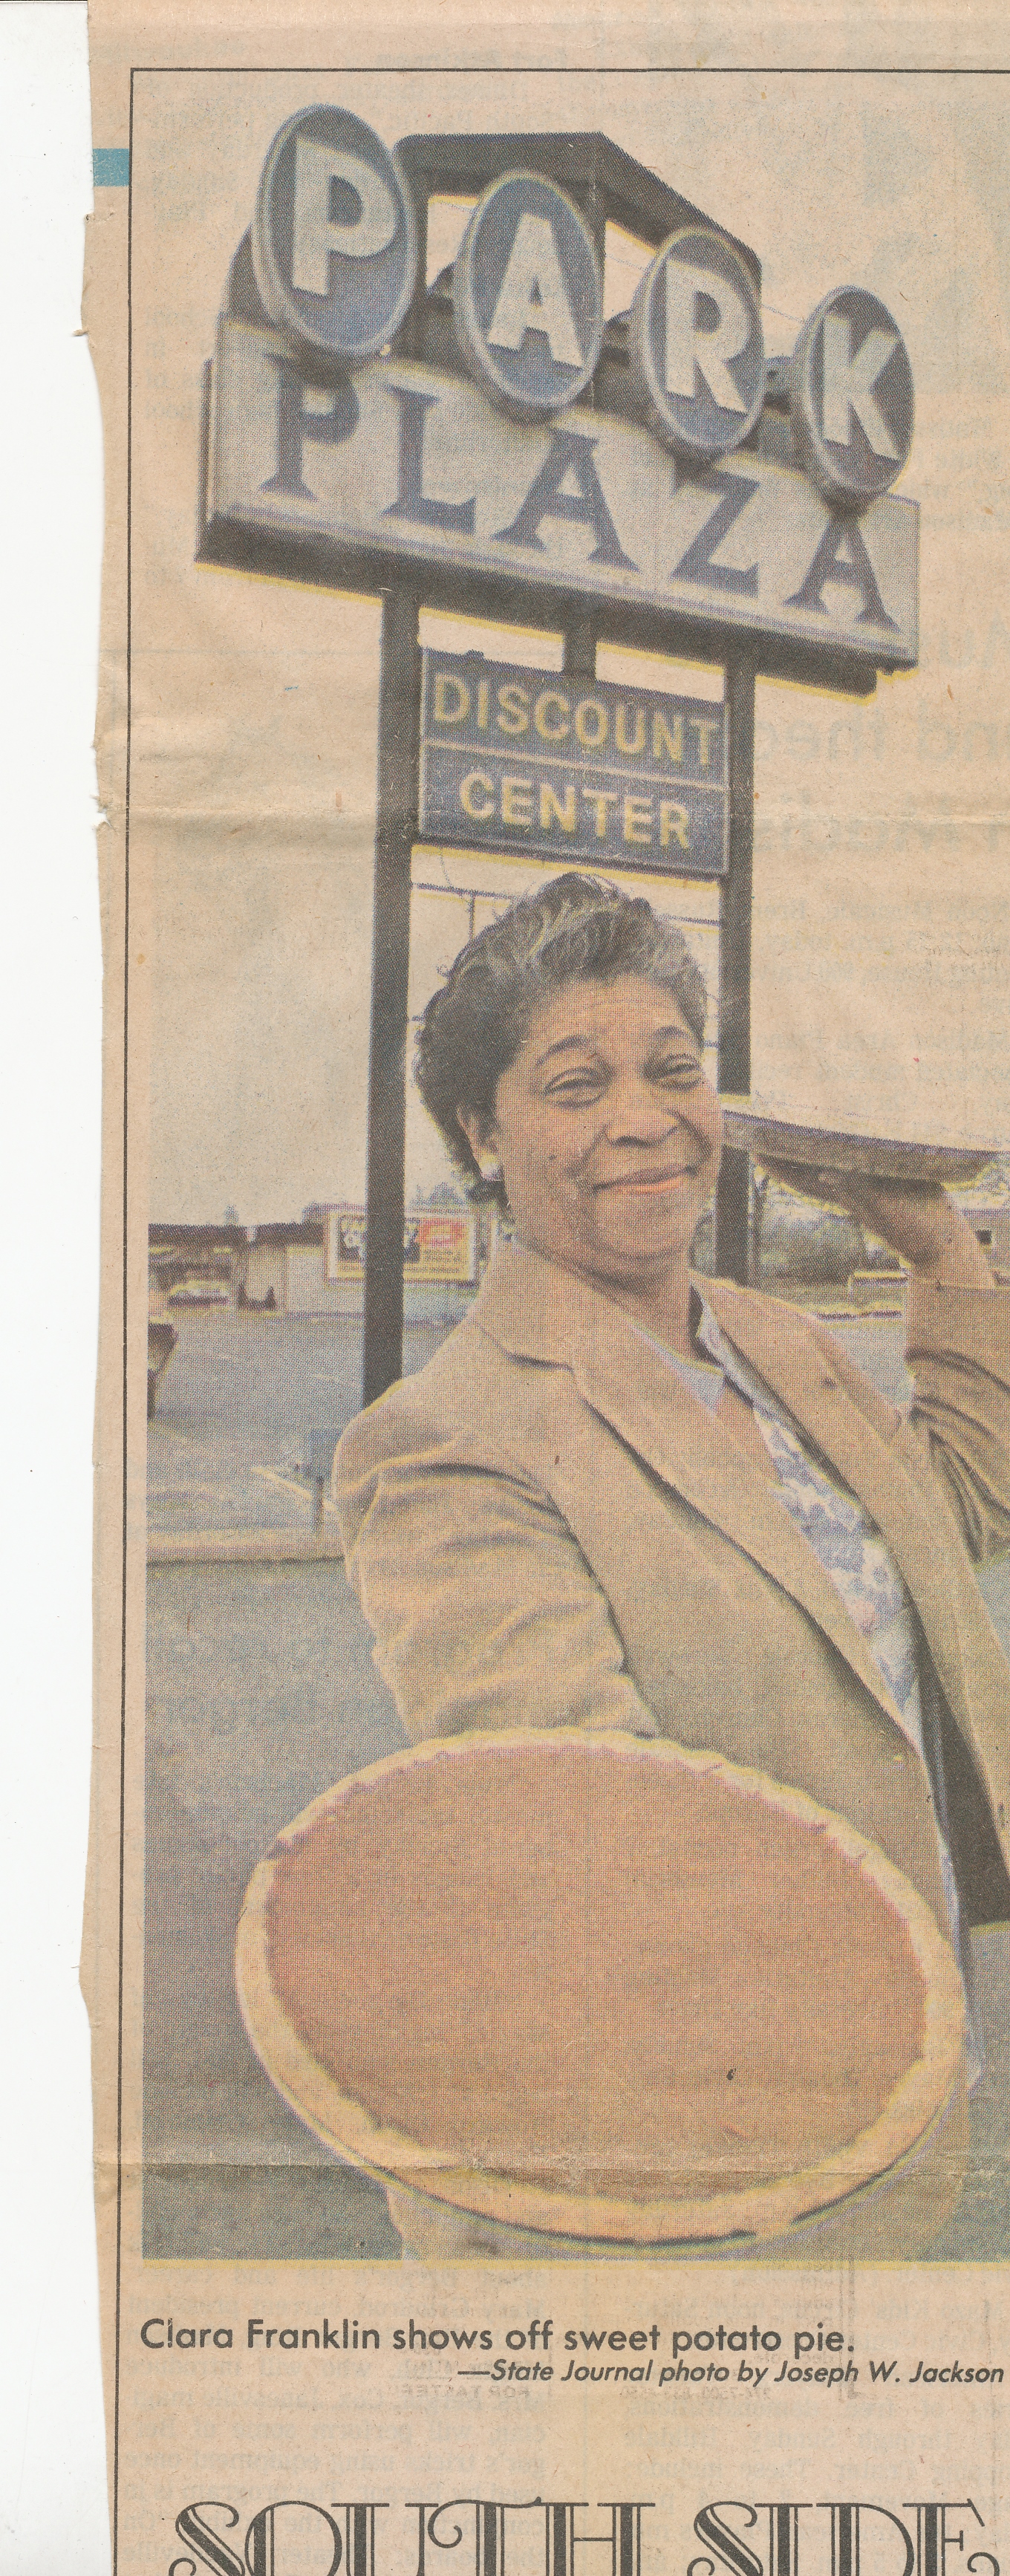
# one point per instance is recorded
(125, 1383)
(610, 71)
(441, 71)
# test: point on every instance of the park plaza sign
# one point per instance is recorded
(521, 760)
(321, 435)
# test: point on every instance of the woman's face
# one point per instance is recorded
(608, 1130)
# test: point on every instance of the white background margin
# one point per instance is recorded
(52, 2455)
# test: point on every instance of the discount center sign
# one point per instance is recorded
(521, 760)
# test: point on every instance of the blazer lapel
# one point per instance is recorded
(541, 1312)
(800, 1373)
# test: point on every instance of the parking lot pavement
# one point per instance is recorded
(240, 1395)
(262, 1692)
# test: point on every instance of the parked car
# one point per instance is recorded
(199, 1292)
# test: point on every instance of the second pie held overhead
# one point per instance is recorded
(599, 1970)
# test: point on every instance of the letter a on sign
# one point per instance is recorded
(527, 296)
(532, 295)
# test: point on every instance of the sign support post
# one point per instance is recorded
(732, 1213)
(395, 834)
(579, 655)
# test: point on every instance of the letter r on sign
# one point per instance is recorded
(688, 347)
(674, 823)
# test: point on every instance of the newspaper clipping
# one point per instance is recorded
(548, 1923)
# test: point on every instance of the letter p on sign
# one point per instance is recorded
(340, 204)
(334, 240)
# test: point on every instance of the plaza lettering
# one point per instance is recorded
(698, 562)
(842, 558)
(412, 502)
(307, 416)
(569, 461)
(399, 459)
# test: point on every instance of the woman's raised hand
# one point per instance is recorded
(916, 1218)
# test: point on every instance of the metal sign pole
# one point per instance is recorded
(732, 1214)
(579, 656)
(395, 834)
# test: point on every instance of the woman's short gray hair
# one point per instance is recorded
(576, 929)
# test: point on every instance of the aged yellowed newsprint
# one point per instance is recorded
(547, 1939)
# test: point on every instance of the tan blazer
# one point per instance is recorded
(545, 1528)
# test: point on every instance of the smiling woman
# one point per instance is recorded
(621, 1496)
(562, 1061)
(608, 1133)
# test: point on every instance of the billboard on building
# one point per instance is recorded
(438, 1244)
